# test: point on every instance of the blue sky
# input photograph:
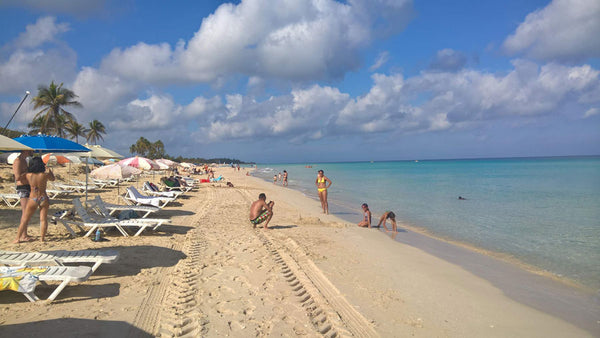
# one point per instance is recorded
(310, 81)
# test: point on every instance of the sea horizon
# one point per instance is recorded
(538, 211)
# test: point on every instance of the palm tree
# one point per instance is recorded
(95, 131)
(75, 130)
(52, 99)
(35, 126)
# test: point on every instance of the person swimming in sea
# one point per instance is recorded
(392, 217)
(322, 187)
(366, 222)
(462, 198)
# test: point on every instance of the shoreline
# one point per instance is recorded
(500, 256)
(210, 274)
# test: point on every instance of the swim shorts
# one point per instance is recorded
(23, 190)
(261, 218)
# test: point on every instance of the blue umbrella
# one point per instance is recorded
(49, 143)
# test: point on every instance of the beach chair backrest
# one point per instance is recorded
(80, 210)
(134, 193)
(101, 207)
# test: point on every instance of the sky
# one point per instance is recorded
(315, 80)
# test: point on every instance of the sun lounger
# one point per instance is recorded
(146, 188)
(112, 208)
(90, 184)
(142, 223)
(54, 193)
(12, 200)
(74, 188)
(88, 222)
(24, 279)
(60, 257)
(106, 182)
(134, 196)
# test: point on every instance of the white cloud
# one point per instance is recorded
(296, 40)
(37, 57)
(565, 30)
(381, 60)
(101, 93)
(591, 112)
(156, 112)
(44, 30)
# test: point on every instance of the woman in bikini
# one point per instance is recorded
(38, 179)
(322, 187)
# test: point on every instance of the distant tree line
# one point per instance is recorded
(143, 147)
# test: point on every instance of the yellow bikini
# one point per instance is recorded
(321, 180)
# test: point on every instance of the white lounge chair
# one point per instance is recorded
(25, 278)
(134, 196)
(112, 208)
(102, 210)
(88, 222)
(142, 223)
(106, 182)
(74, 187)
(146, 188)
(59, 257)
(12, 200)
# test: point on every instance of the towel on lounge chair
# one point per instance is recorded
(20, 279)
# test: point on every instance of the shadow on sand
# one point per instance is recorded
(73, 327)
(72, 293)
(283, 226)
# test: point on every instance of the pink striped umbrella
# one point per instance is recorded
(140, 163)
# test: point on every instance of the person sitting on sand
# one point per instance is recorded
(366, 222)
(260, 211)
(392, 217)
(38, 179)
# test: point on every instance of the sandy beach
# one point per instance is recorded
(209, 273)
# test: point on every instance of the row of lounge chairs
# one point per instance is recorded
(23, 270)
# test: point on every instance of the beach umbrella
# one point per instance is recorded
(140, 163)
(162, 166)
(100, 152)
(114, 171)
(166, 162)
(52, 158)
(10, 144)
(187, 165)
(46, 143)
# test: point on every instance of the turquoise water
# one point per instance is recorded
(545, 212)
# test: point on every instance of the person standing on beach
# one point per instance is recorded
(38, 178)
(260, 211)
(274, 179)
(322, 187)
(285, 178)
(23, 190)
(366, 222)
(392, 217)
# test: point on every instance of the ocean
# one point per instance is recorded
(544, 212)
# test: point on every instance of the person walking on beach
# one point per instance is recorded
(366, 222)
(392, 217)
(285, 178)
(260, 211)
(23, 190)
(322, 187)
(38, 178)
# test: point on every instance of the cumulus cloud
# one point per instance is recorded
(430, 101)
(448, 60)
(30, 62)
(297, 40)
(44, 30)
(565, 30)
(381, 60)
